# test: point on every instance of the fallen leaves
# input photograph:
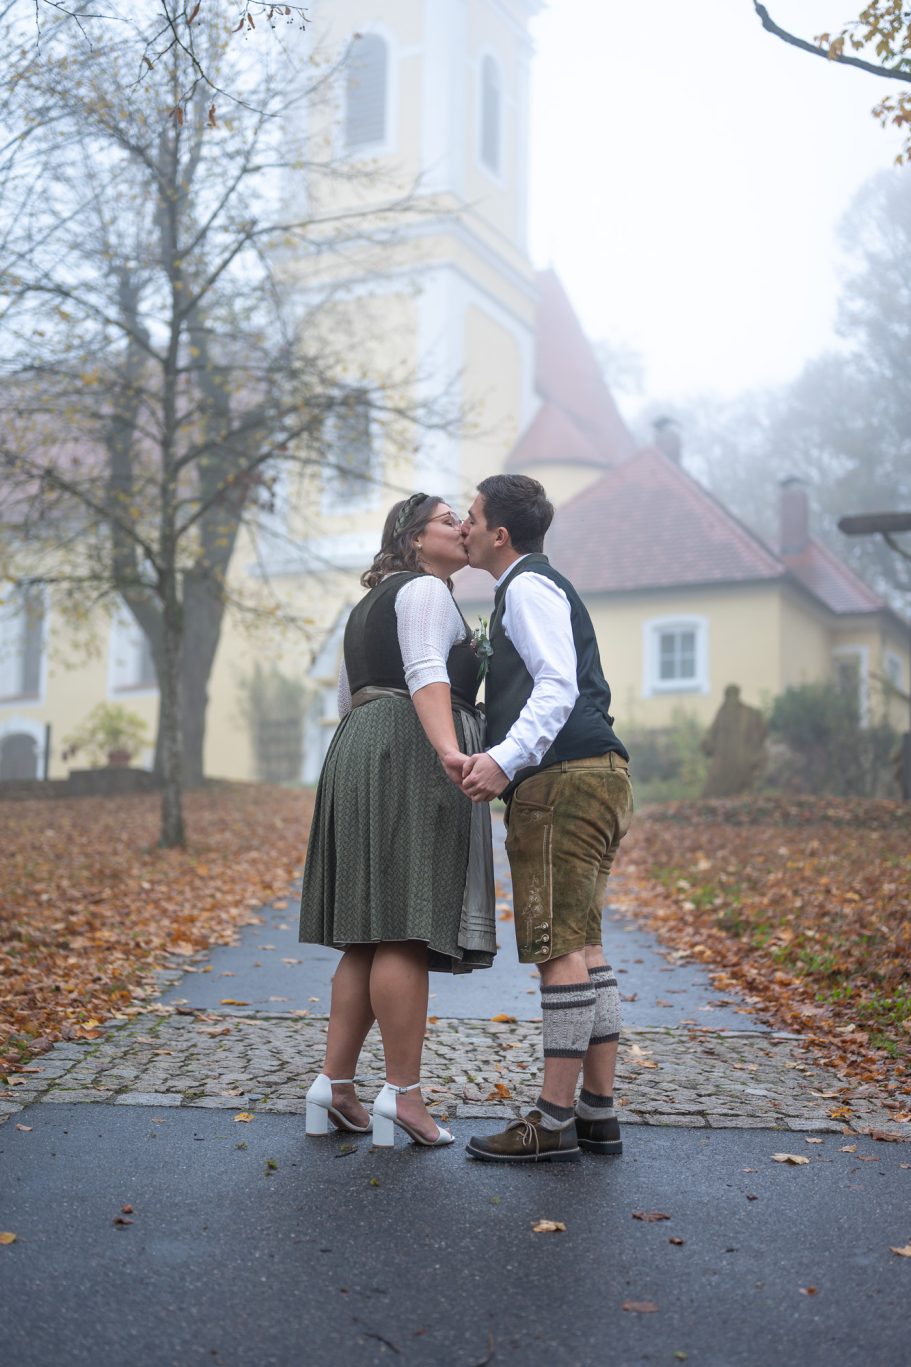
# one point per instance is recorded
(244, 1116)
(814, 930)
(650, 1216)
(26, 1129)
(504, 1019)
(500, 1093)
(7, 1237)
(904, 1252)
(548, 1227)
(640, 1307)
(90, 908)
(797, 1159)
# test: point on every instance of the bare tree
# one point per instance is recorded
(161, 375)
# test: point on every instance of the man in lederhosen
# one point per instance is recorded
(553, 755)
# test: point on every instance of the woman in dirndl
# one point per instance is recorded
(399, 871)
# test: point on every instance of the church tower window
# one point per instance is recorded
(365, 91)
(490, 114)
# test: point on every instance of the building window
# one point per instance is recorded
(676, 656)
(490, 114)
(365, 91)
(350, 474)
(894, 670)
(22, 643)
(850, 668)
(132, 667)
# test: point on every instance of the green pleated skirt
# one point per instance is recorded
(389, 843)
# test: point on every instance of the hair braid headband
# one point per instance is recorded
(406, 510)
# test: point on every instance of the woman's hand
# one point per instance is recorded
(453, 762)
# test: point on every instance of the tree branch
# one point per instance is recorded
(892, 73)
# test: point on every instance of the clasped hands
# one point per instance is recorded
(478, 776)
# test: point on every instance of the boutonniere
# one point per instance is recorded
(480, 644)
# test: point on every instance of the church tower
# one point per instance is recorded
(429, 105)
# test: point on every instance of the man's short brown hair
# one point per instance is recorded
(519, 504)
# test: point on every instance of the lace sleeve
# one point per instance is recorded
(429, 624)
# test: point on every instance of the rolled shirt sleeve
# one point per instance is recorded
(538, 622)
(429, 624)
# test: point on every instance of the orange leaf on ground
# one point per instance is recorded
(640, 1307)
(504, 1019)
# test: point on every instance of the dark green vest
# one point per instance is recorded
(589, 728)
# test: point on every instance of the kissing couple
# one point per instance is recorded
(399, 870)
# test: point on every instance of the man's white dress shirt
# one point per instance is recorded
(538, 621)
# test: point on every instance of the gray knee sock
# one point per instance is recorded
(568, 1012)
(606, 1023)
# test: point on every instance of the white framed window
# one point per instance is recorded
(893, 669)
(131, 668)
(850, 667)
(22, 641)
(675, 651)
(490, 115)
(350, 479)
(367, 93)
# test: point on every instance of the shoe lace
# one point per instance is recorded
(528, 1131)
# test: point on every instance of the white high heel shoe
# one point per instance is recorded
(386, 1117)
(320, 1109)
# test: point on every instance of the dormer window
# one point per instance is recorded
(490, 114)
(365, 91)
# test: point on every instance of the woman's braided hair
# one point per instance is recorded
(405, 521)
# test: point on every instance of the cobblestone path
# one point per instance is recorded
(682, 1077)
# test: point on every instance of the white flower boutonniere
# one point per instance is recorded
(480, 644)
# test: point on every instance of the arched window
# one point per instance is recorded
(490, 114)
(365, 91)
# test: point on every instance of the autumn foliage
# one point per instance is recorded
(804, 903)
(90, 907)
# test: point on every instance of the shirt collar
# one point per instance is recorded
(510, 569)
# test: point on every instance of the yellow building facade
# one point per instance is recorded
(444, 301)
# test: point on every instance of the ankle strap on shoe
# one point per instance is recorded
(399, 1090)
(342, 1081)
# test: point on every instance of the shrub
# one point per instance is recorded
(825, 749)
(108, 729)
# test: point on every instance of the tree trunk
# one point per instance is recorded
(203, 611)
(172, 834)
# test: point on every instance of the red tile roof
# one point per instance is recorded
(578, 421)
(648, 524)
(832, 582)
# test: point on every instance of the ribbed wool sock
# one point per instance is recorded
(554, 1117)
(568, 1014)
(592, 1106)
(567, 1010)
(606, 1023)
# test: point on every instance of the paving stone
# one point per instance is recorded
(815, 1123)
(689, 1121)
(9, 1107)
(65, 1094)
(148, 1099)
(467, 1111)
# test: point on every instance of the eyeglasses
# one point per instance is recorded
(450, 519)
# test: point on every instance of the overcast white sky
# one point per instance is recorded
(689, 172)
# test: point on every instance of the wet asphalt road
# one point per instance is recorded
(426, 1257)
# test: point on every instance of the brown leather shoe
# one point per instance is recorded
(527, 1141)
(599, 1136)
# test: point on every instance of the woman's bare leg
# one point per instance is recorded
(350, 1018)
(398, 994)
